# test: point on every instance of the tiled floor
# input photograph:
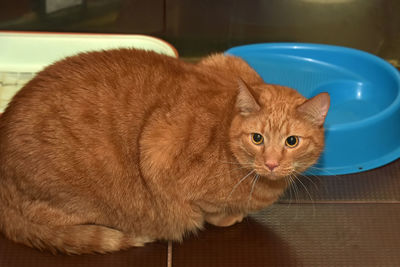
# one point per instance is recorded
(301, 235)
(14, 255)
(349, 220)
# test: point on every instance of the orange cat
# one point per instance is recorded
(107, 150)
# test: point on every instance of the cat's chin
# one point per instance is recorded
(272, 175)
(275, 177)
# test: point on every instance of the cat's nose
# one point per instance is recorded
(271, 164)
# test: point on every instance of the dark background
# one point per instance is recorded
(199, 27)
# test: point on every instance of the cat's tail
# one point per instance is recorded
(70, 239)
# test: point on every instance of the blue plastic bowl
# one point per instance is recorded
(363, 123)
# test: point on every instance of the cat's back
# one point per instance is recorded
(102, 101)
(103, 74)
(95, 100)
(96, 84)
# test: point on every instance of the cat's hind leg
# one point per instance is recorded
(46, 228)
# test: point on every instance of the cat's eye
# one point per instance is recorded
(257, 138)
(292, 141)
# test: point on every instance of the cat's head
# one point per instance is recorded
(276, 131)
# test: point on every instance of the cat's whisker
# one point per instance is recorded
(309, 179)
(258, 166)
(287, 179)
(322, 169)
(319, 177)
(245, 150)
(317, 186)
(298, 190)
(230, 171)
(253, 183)
(295, 188)
(304, 186)
(236, 163)
(307, 191)
(312, 175)
(237, 184)
(290, 188)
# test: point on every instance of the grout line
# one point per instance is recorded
(169, 257)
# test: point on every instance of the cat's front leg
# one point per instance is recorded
(222, 219)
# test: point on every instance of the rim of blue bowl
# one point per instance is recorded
(388, 111)
(355, 168)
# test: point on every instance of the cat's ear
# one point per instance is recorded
(245, 101)
(315, 109)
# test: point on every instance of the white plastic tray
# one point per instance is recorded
(22, 54)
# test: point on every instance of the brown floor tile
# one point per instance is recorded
(246, 244)
(378, 185)
(15, 255)
(300, 235)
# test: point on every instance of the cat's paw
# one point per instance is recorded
(140, 241)
(223, 220)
